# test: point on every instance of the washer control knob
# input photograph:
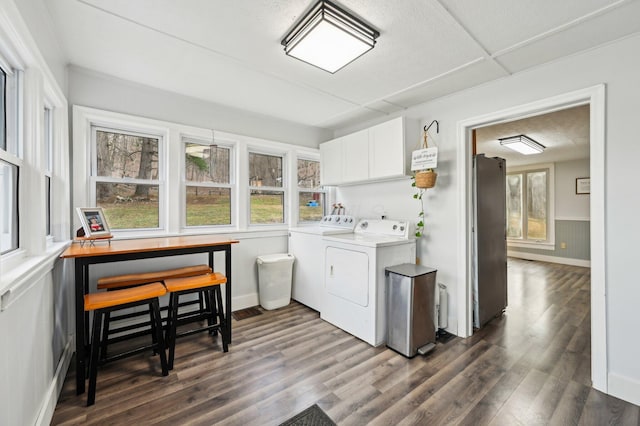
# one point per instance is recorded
(395, 227)
(364, 225)
(402, 228)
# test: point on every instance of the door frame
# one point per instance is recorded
(594, 97)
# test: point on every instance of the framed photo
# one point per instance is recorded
(93, 222)
(583, 185)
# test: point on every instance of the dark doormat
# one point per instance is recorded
(246, 313)
(312, 416)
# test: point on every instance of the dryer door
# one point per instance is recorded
(347, 275)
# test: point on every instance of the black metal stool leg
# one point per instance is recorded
(171, 341)
(158, 340)
(222, 320)
(105, 335)
(93, 360)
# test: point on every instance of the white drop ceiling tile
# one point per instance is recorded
(169, 64)
(477, 73)
(386, 107)
(499, 24)
(618, 23)
(357, 115)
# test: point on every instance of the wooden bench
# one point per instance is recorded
(215, 317)
(103, 303)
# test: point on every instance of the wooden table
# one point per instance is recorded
(122, 250)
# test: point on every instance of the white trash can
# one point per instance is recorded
(274, 280)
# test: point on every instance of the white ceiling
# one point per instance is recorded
(564, 134)
(229, 52)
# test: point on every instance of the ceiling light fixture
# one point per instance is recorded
(329, 38)
(522, 144)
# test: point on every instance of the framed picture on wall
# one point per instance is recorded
(93, 222)
(583, 185)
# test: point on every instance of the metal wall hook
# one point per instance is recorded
(426, 128)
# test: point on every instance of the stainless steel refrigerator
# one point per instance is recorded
(490, 243)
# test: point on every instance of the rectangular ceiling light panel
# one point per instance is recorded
(329, 38)
(522, 144)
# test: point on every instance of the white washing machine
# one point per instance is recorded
(305, 243)
(355, 297)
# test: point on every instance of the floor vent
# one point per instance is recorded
(246, 313)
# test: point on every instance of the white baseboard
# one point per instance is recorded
(551, 259)
(245, 301)
(624, 388)
(51, 398)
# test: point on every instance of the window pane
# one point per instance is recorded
(121, 155)
(129, 206)
(514, 206)
(47, 183)
(537, 205)
(208, 206)
(3, 110)
(310, 206)
(206, 163)
(265, 170)
(267, 207)
(9, 202)
(308, 174)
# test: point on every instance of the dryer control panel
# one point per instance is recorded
(384, 227)
(338, 221)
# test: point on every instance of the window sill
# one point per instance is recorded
(19, 271)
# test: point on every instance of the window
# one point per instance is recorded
(10, 156)
(207, 183)
(126, 177)
(48, 164)
(266, 189)
(528, 210)
(311, 199)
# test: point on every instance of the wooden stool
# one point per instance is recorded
(105, 302)
(130, 280)
(210, 284)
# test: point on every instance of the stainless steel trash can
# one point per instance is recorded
(411, 309)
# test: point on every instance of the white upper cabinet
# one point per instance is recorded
(387, 150)
(355, 162)
(376, 153)
(331, 162)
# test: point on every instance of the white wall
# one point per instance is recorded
(616, 66)
(569, 205)
(92, 89)
(34, 13)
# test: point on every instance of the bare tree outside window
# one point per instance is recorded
(265, 182)
(208, 189)
(127, 186)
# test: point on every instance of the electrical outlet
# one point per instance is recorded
(563, 245)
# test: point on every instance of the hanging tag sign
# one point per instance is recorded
(423, 159)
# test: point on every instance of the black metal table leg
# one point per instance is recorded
(227, 290)
(80, 326)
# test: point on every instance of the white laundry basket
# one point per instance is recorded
(274, 280)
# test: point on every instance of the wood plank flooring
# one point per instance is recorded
(530, 366)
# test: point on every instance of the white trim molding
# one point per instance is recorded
(595, 97)
(550, 259)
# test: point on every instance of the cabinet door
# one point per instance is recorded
(355, 166)
(331, 162)
(386, 149)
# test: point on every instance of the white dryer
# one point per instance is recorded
(305, 243)
(354, 279)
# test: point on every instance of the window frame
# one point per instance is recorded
(524, 242)
(232, 185)
(284, 156)
(300, 190)
(47, 138)
(12, 153)
(160, 182)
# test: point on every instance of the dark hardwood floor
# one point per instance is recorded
(530, 366)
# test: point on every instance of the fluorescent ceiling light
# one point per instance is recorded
(329, 37)
(522, 144)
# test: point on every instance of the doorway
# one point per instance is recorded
(595, 98)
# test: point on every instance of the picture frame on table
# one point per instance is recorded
(583, 185)
(93, 222)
